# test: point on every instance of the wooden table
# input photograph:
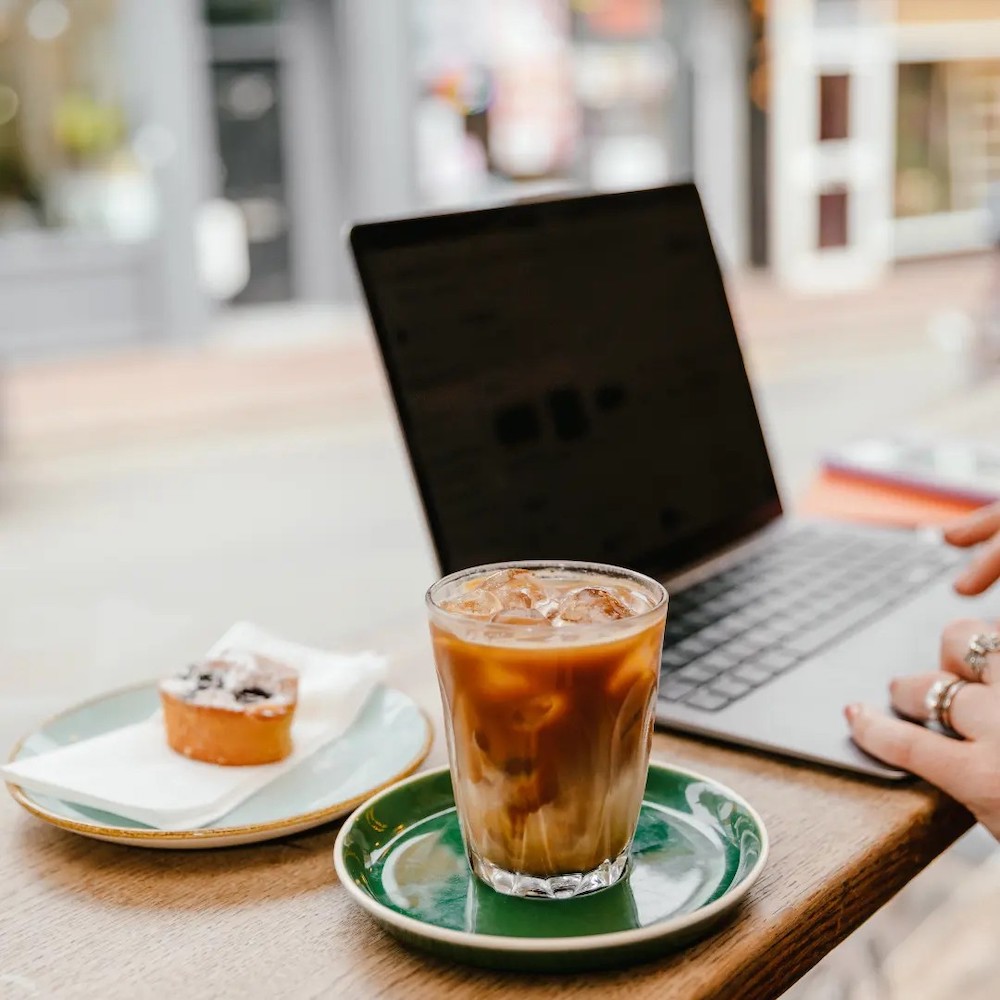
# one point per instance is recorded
(83, 918)
(80, 918)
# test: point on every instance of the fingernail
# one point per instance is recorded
(965, 580)
(851, 712)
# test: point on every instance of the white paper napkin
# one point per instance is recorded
(133, 772)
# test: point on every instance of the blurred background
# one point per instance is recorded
(194, 427)
(164, 170)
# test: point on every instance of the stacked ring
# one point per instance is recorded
(980, 646)
(940, 698)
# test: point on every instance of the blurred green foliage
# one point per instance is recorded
(87, 130)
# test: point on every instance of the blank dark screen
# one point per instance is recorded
(569, 380)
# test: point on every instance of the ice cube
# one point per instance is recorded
(635, 600)
(592, 605)
(516, 588)
(520, 616)
(500, 683)
(475, 604)
(640, 668)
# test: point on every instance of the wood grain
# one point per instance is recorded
(82, 918)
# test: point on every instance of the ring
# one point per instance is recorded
(940, 697)
(979, 646)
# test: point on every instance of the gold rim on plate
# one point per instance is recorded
(313, 818)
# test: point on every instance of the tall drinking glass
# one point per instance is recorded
(548, 673)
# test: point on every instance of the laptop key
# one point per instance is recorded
(751, 643)
(810, 640)
(677, 632)
(781, 626)
(766, 635)
(729, 687)
(678, 614)
(711, 665)
(725, 603)
(695, 673)
(742, 621)
(672, 660)
(734, 651)
(803, 617)
(774, 661)
(674, 690)
(752, 675)
(721, 659)
(707, 700)
(719, 603)
(719, 632)
(699, 617)
(917, 576)
(693, 647)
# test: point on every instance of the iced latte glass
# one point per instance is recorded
(548, 673)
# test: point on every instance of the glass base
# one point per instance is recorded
(566, 886)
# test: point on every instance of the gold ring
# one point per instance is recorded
(945, 701)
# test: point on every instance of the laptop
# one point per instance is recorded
(570, 384)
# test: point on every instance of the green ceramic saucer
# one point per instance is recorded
(698, 849)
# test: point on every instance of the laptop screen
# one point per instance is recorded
(569, 381)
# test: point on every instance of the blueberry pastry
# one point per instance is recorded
(233, 710)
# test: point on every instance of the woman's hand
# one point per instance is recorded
(967, 769)
(980, 526)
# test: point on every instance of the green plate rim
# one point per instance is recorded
(122, 834)
(504, 943)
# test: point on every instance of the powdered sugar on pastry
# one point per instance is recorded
(236, 681)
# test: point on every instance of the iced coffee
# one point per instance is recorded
(548, 673)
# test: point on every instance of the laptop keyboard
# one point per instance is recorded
(733, 632)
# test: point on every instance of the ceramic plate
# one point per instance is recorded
(325, 786)
(698, 849)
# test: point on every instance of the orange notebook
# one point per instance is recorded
(846, 498)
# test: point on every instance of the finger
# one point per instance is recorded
(982, 571)
(974, 528)
(909, 694)
(975, 709)
(955, 641)
(929, 755)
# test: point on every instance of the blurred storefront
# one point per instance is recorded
(423, 105)
(100, 174)
(524, 98)
(160, 161)
(884, 134)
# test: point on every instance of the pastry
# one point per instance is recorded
(234, 709)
